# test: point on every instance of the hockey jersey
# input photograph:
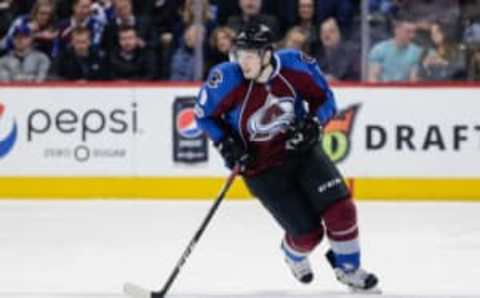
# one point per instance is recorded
(259, 113)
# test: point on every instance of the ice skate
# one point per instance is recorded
(299, 265)
(358, 280)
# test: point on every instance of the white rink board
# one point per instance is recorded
(443, 124)
(63, 248)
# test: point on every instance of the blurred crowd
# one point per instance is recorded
(86, 40)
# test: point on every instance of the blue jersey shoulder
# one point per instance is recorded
(221, 81)
(296, 60)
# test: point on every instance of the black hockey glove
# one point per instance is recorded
(234, 152)
(303, 134)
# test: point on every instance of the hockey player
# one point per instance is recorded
(264, 111)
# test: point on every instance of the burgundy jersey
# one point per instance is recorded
(260, 113)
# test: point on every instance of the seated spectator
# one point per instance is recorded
(80, 61)
(341, 10)
(23, 63)
(252, 9)
(337, 59)
(306, 21)
(130, 61)
(221, 42)
(183, 63)
(41, 22)
(396, 59)
(296, 38)
(474, 65)
(85, 15)
(123, 16)
(163, 15)
(6, 16)
(21, 7)
(224, 9)
(471, 21)
(445, 61)
(424, 13)
(187, 18)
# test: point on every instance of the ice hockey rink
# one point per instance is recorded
(90, 248)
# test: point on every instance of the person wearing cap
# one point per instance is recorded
(23, 63)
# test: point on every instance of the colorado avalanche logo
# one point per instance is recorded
(186, 124)
(7, 142)
(276, 114)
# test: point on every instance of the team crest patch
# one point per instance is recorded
(215, 79)
(271, 119)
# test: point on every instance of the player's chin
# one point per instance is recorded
(249, 75)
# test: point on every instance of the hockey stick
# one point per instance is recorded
(138, 292)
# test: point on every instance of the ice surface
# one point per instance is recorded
(65, 248)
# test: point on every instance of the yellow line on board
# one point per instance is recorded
(411, 189)
(118, 187)
(202, 188)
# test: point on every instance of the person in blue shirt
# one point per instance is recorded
(263, 112)
(396, 59)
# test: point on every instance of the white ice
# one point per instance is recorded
(89, 249)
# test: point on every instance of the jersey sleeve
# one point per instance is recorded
(215, 98)
(311, 84)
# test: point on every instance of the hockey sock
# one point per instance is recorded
(298, 246)
(341, 222)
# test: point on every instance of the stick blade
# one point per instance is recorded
(136, 291)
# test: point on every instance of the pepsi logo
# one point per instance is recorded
(8, 139)
(186, 125)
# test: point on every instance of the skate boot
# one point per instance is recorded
(358, 280)
(298, 263)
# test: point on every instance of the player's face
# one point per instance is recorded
(250, 62)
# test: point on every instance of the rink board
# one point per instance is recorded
(70, 144)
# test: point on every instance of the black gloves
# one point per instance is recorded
(234, 152)
(303, 134)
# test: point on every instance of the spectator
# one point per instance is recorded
(85, 15)
(424, 13)
(123, 16)
(41, 22)
(341, 10)
(187, 15)
(183, 62)
(306, 21)
(221, 42)
(224, 9)
(23, 63)
(338, 59)
(6, 16)
(80, 61)
(396, 59)
(296, 38)
(474, 65)
(470, 11)
(164, 15)
(130, 61)
(252, 9)
(445, 61)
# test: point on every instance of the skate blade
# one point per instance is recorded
(373, 291)
(134, 291)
